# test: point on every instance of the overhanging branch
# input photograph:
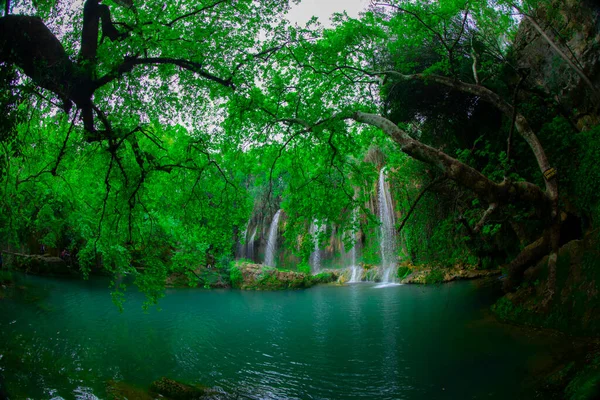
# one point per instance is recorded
(130, 62)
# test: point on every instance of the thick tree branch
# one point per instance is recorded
(475, 60)
(487, 95)
(463, 174)
(130, 62)
(490, 210)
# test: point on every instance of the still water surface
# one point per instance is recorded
(329, 342)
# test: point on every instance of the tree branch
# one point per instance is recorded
(64, 146)
(474, 55)
(414, 205)
(492, 207)
(192, 13)
(130, 62)
(487, 95)
(554, 46)
(463, 174)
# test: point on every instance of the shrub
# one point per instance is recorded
(235, 275)
(304, 267)
(403, 272)
(434, 276)
(324, 277)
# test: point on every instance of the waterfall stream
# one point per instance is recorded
(388, 233)
(272, 241)
(315, 256)
(356, 269)
(250, 245)
(243, 243)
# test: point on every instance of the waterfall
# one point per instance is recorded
(243, 244)
(315, 256)
(250, 244)
(356, 269)
(272, 241)
(388, 230)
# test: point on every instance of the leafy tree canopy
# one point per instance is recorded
(136, 128)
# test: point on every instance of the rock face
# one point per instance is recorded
(260, 277)
(39, 264)
(428, 276)
(574, 26)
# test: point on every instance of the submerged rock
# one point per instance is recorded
(124, 391)
(174, 390)
(163, 388)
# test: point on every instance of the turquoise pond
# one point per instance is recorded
(63, 339)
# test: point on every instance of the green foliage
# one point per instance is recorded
(324, 277)
(435, 276)
(224, 262)
(304, 267)
(586, 384)
(587, 177)
(403, 272)
(168, 186)
(506, 310)
(6, 276)
(235, 276)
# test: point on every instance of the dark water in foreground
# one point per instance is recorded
(359, 341)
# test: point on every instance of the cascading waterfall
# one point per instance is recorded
(315, 256)
(243, 244)
(250, 244)
(388, 233)
(272, 241)
(356, 269)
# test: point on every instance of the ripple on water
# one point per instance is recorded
(328, 342)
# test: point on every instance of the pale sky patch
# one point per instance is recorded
(323, 9)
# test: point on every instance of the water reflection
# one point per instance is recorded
(401, 341)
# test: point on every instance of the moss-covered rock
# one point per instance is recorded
(124, 391)
(324, 277)
(200, 277)
(441, 275)
(174, 390)
(41, 264)
(249, 276)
